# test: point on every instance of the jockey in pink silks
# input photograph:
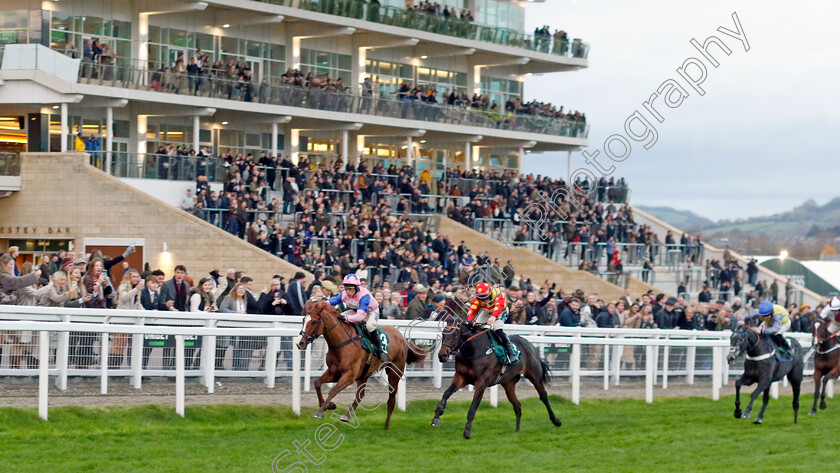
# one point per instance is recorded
(360, 306)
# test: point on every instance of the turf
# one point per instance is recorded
(617, 435)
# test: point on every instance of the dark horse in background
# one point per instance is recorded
(826, 361)
(476, 364)
(762, 367)
(347, 361)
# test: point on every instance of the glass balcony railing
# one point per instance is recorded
(386, 15)
(9, 164)
(216, 86)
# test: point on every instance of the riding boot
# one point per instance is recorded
(783, 344)
(505, 341)
(374, 338)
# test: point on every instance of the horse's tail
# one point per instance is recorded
(415, 354)
(546, 372)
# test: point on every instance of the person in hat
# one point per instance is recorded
(360, 307)
(666, 317)
(490, 307)
(416, 309)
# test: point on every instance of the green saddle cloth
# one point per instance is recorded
(499, 350)
(367, 344)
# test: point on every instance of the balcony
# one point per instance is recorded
(9, 173)
(392, 16)
(214, 85)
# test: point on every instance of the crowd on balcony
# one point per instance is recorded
(442, 11)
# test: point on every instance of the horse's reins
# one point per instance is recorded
(835, 347)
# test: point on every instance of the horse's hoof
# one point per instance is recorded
(738, 413)
(557, 422)
(318, 415)
(823, 406)
(467, 434)
(758, 421)
(345, 418)
(331, 406)
(745, 415)
(812, 413)
(435, 422)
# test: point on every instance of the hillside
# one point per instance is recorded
(805, 220)
(682, 219)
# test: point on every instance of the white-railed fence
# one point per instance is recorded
(136, 344)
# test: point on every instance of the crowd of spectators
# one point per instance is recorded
(442, 11)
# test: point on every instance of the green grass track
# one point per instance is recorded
(615, 435)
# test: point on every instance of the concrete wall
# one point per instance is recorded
(62, 191)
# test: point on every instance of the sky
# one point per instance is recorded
(759, 141)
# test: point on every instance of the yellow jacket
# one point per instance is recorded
(79, 144)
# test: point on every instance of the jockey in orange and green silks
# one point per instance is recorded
(489, 306)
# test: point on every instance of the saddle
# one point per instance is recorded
(784, 354)
(499, 350)
(367, 344)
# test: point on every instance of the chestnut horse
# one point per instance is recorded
(826, 361)
(347, 361)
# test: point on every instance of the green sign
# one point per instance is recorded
(168, 341)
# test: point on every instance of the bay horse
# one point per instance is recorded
(826, 361)
(762, 367)
(476, 364)
(347, 361)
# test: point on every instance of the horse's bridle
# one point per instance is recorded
(309, 338)
(747, 338)
(818, 343)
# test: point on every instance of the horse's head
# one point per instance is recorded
(820, 332)
(454, 334)
(313, 322)
(738, 343)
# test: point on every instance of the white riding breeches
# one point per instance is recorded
(370, 320)
(484, 315)
(833, 327)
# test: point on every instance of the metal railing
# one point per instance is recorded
(449, 26)
(194, 343)
(216, 85)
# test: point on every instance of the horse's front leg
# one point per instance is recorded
(822, 393)
(817, 388)
(327, 377)
(764, 401)
(763, 383)
(345, 380)
(738, 383)
(480, 386)
(457, 383)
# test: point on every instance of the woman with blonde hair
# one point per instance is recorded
(237, 303)
(128, 297)
(632, 319)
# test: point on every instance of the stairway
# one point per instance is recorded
(534, 265)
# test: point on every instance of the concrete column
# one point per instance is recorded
(294, 143)
(142, 121)
(345, 146)
(274, 132)
(409, 154)
(64, 129)
(359, 67)
(360, 148)
(109, 137)
(292, 52)
(196, 130)
(141, 50)
(519, 160)
(473, 79)
(468, 156)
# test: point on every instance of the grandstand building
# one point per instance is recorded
(121, 71)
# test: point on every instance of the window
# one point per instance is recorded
(500, 90)
(325, 63)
